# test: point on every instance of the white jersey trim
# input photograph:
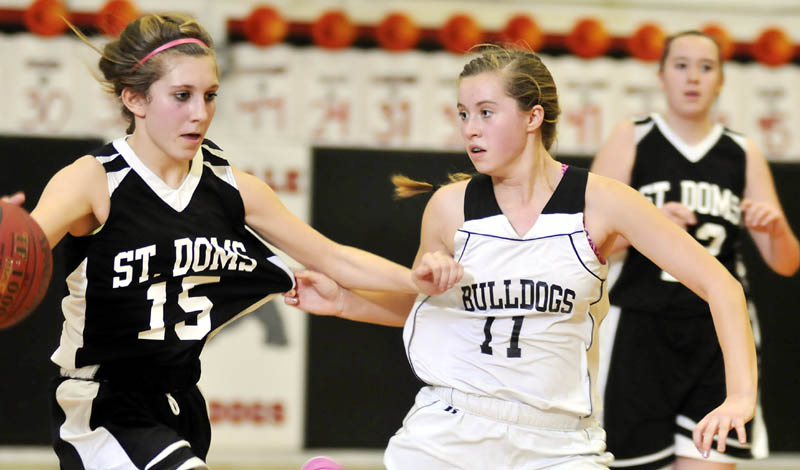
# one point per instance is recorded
(693, 153)
(739, 139)
(74, 308)
(165, 453)
(177, 198)
(641, 130)
(223, 172)
(97, 447)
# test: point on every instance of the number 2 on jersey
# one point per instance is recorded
(513, 350)
(157, 293)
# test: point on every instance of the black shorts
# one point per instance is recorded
(666, 373)
(100, 425)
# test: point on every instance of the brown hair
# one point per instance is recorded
(120, 59)
(527, 80)
(690, 32)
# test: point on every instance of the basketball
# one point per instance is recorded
(26, 264)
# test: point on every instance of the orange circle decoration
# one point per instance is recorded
(45, 17)
(647, 42)
(722, 38)
(333, 30)
(397, 32)
(460, 33)
(264, 26)
(588, 39)
(522, 31)
(114, 16)
(773, 47)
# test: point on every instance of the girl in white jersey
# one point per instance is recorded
(162, 258)
(509, 354)
(665, 369)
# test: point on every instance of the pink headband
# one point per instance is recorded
(166, 46)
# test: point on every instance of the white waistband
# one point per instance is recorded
(512, 412)
(86, 372)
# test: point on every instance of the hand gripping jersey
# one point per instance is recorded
(709, 179)
(522, 323)
(168, 268)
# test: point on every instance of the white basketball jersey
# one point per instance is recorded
(522, 323)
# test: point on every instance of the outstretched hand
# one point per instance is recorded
(436, 272)
(17, 198)
(732, 414)
(316, 293)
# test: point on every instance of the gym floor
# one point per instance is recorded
(42, 458)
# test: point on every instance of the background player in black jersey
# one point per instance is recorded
(162, 258)
(666, 371)
(508, 106)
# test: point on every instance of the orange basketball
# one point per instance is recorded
(45, 17)
(26, 264)
(114, 16)
(460, 33)
(264, 26)
(588, 39)
(333, 30)
(522, 31)
(397, 32)
(647, 42)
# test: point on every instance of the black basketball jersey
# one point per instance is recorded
(709, 179)
(167, 269)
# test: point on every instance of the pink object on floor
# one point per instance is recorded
(321, 463)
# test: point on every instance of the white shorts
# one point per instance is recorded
(449, 430)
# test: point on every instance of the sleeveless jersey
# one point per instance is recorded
(709, 179)
(522, 323)
(167, 269)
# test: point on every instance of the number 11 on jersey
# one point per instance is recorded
(513, 350)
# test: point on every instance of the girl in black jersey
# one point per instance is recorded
(162, 258)
(666, 371)
(509, 354)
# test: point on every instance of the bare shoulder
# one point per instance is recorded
(448, 201)
(452, 192)
(445, 209)
(753, 153)
(616, 155)
(607, 196)
(85, 175)
(443, 216)
(600, 187)
(612, 207)
(88, 166)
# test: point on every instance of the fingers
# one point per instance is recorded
(290, 298)
(703, 435)
(717, 427)
(439, 271)
(760, 216)
(17, 198)
(741, 432)
(722, 434)
(679, 214)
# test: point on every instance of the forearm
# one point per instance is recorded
(358, 269)
(732, 324)
(783, 252)
(381, 308)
